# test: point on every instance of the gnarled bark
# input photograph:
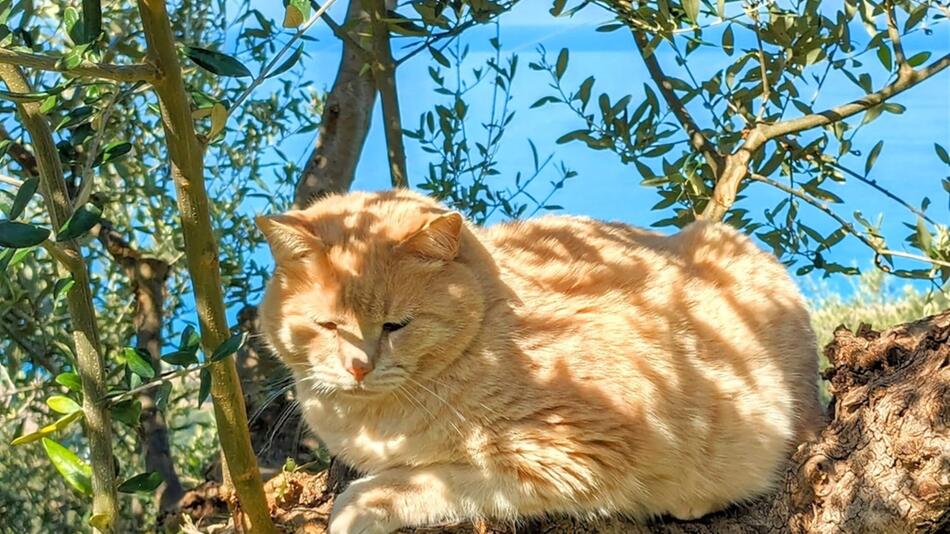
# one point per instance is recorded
(881, 466)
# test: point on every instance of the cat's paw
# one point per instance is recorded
(355, 514)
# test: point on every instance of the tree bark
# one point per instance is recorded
(881, 466)
(347, 114)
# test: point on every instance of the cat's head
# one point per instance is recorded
(370, 291)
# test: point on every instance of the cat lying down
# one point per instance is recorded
(560, 365)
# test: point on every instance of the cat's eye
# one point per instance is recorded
(392, 327)
(327, 325)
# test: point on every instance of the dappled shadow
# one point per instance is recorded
(615, 370)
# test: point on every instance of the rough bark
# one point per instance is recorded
(881, 466)
(345, 122)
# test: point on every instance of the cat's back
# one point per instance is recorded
(583, 257)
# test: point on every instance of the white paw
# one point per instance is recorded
(349, 517)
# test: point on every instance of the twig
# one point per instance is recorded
(885, 192)
(821, 206)
(273, 63)
(894, 35)
(9, 180)
(697, 140)
(120, 73)
(904, 81)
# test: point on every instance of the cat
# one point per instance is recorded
(558, 365)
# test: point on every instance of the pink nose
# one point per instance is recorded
(359, 369)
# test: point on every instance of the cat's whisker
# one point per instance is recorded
(285, 414)
(422, 405)
(436, 395)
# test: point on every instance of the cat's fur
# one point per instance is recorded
(559, 365)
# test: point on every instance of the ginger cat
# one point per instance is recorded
(560, 365)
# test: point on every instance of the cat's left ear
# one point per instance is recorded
(289, 237)
(438, 239)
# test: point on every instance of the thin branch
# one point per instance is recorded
(766, 90)
(280, 53)
(821, 206)
(9, 180)
(120, 73)
(884, 191)
(384, 72)
(894, 35)
(904, 81)
(697, 140)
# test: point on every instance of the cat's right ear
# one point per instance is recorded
(289, 237)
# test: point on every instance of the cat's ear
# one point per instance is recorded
(288, 237)
(437, 240)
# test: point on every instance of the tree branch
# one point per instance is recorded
(894, 35)
(697, 140)
(88, 69)
(904, 81)
(186, 156)
(824, 208)
(727, 186)
(90, 364)
(347, 114)
(384, 72)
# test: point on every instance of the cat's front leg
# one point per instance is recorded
(404, 497)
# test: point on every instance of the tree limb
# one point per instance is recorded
(727, 186)
(186, 155)
(120, 73)
(384, 72)
(903, 82)
(90, 364)
(697, 140)
(347, 114)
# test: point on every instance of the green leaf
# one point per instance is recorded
(204, 387)
(288, 63)
(691, 7)
(923, 235)
(141, 483)
(74, 29)
(76, 117)
(558, 7)
(561, 66)
(76, 472)
(229, 347)
(63, 404)
(92, 20)
(55, 426)
(728, 40)
(162, 394)
(439, 57)
(942, 153)
(112, 152)
(884, 55)
(81, 221)
(180, 357)
(917, 60)
(128, 412)
(139, 362)
(23, 98)
(62, 287)
(70, 380)
(23, 196)
(872, 157)
(217, 62)
(298, 11)
(21, 235)
(190, 340)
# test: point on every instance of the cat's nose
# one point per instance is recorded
(359, 368)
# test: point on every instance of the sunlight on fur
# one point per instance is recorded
(560, 365)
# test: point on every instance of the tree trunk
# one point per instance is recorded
(346, 119)
(881, 466)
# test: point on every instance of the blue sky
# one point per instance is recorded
(607, 189)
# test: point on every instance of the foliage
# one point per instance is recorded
(705, 124)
